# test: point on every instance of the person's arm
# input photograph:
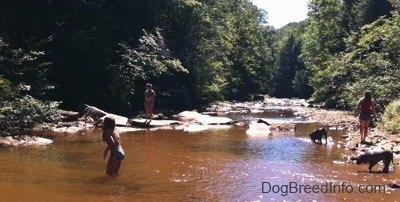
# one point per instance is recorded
(373, 109)
(116, 139)
(357, 110)
(110, 145)
(105, 152)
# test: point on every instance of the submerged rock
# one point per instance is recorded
(24, 140)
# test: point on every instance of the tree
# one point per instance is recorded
(322, 40)
(367, 11)
(370, 62)
(288, 67)
(252, 59)
(19, 111)
(150, 59)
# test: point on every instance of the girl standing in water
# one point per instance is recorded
(113, 140)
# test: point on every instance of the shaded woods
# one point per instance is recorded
(57, 54)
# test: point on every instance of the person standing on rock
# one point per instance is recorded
(113, 140)
(365, 110)
(149, 98)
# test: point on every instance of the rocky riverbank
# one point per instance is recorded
(343, 120)
(331, 118)
(376, 139)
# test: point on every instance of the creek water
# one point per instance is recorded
(214, 165)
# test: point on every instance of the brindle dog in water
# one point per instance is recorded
(317, 135)
(374, 157)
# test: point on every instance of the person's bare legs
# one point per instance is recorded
(113, 165)
(366, 125)
(151, 112)
(116, 170)
(362, 128)
(147, 109)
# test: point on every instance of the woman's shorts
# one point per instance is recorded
(367, 116)
(149, 104)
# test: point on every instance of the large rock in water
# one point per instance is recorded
(24, 140)
(204, 119)
(98, 115)
(258, 129)
(189, 115)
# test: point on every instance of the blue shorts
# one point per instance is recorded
(119, 153)
(367, 116)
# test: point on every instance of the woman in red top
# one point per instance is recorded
(365, 110)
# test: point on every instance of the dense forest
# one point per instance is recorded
(57, 54)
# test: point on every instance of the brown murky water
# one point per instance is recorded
(166, 165)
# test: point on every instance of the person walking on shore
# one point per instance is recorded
(365, 110)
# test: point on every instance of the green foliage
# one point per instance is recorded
(5, 90)
(367, 11)
(19, 65)
(151, 59)
(301, 86)
(362, 59)
(291, 77)
(21, 112)
(371, 63)
(323, 39)
(96, 52)
(391, 116)
(223, 45)
(324, 33)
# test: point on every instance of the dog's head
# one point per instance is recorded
(360, 159)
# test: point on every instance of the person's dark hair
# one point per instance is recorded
(368, 96)
(109, 123)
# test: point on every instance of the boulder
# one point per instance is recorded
(154, 123)
(189, 115)
(69, 116)
(23, 140)
(257, 129)
(98, 115)
(258, 98)
(214, 120)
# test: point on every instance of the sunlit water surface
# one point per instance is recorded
(172, 165)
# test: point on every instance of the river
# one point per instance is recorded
(173, 165)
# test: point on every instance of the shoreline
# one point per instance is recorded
(339, 119)
(376, 139)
